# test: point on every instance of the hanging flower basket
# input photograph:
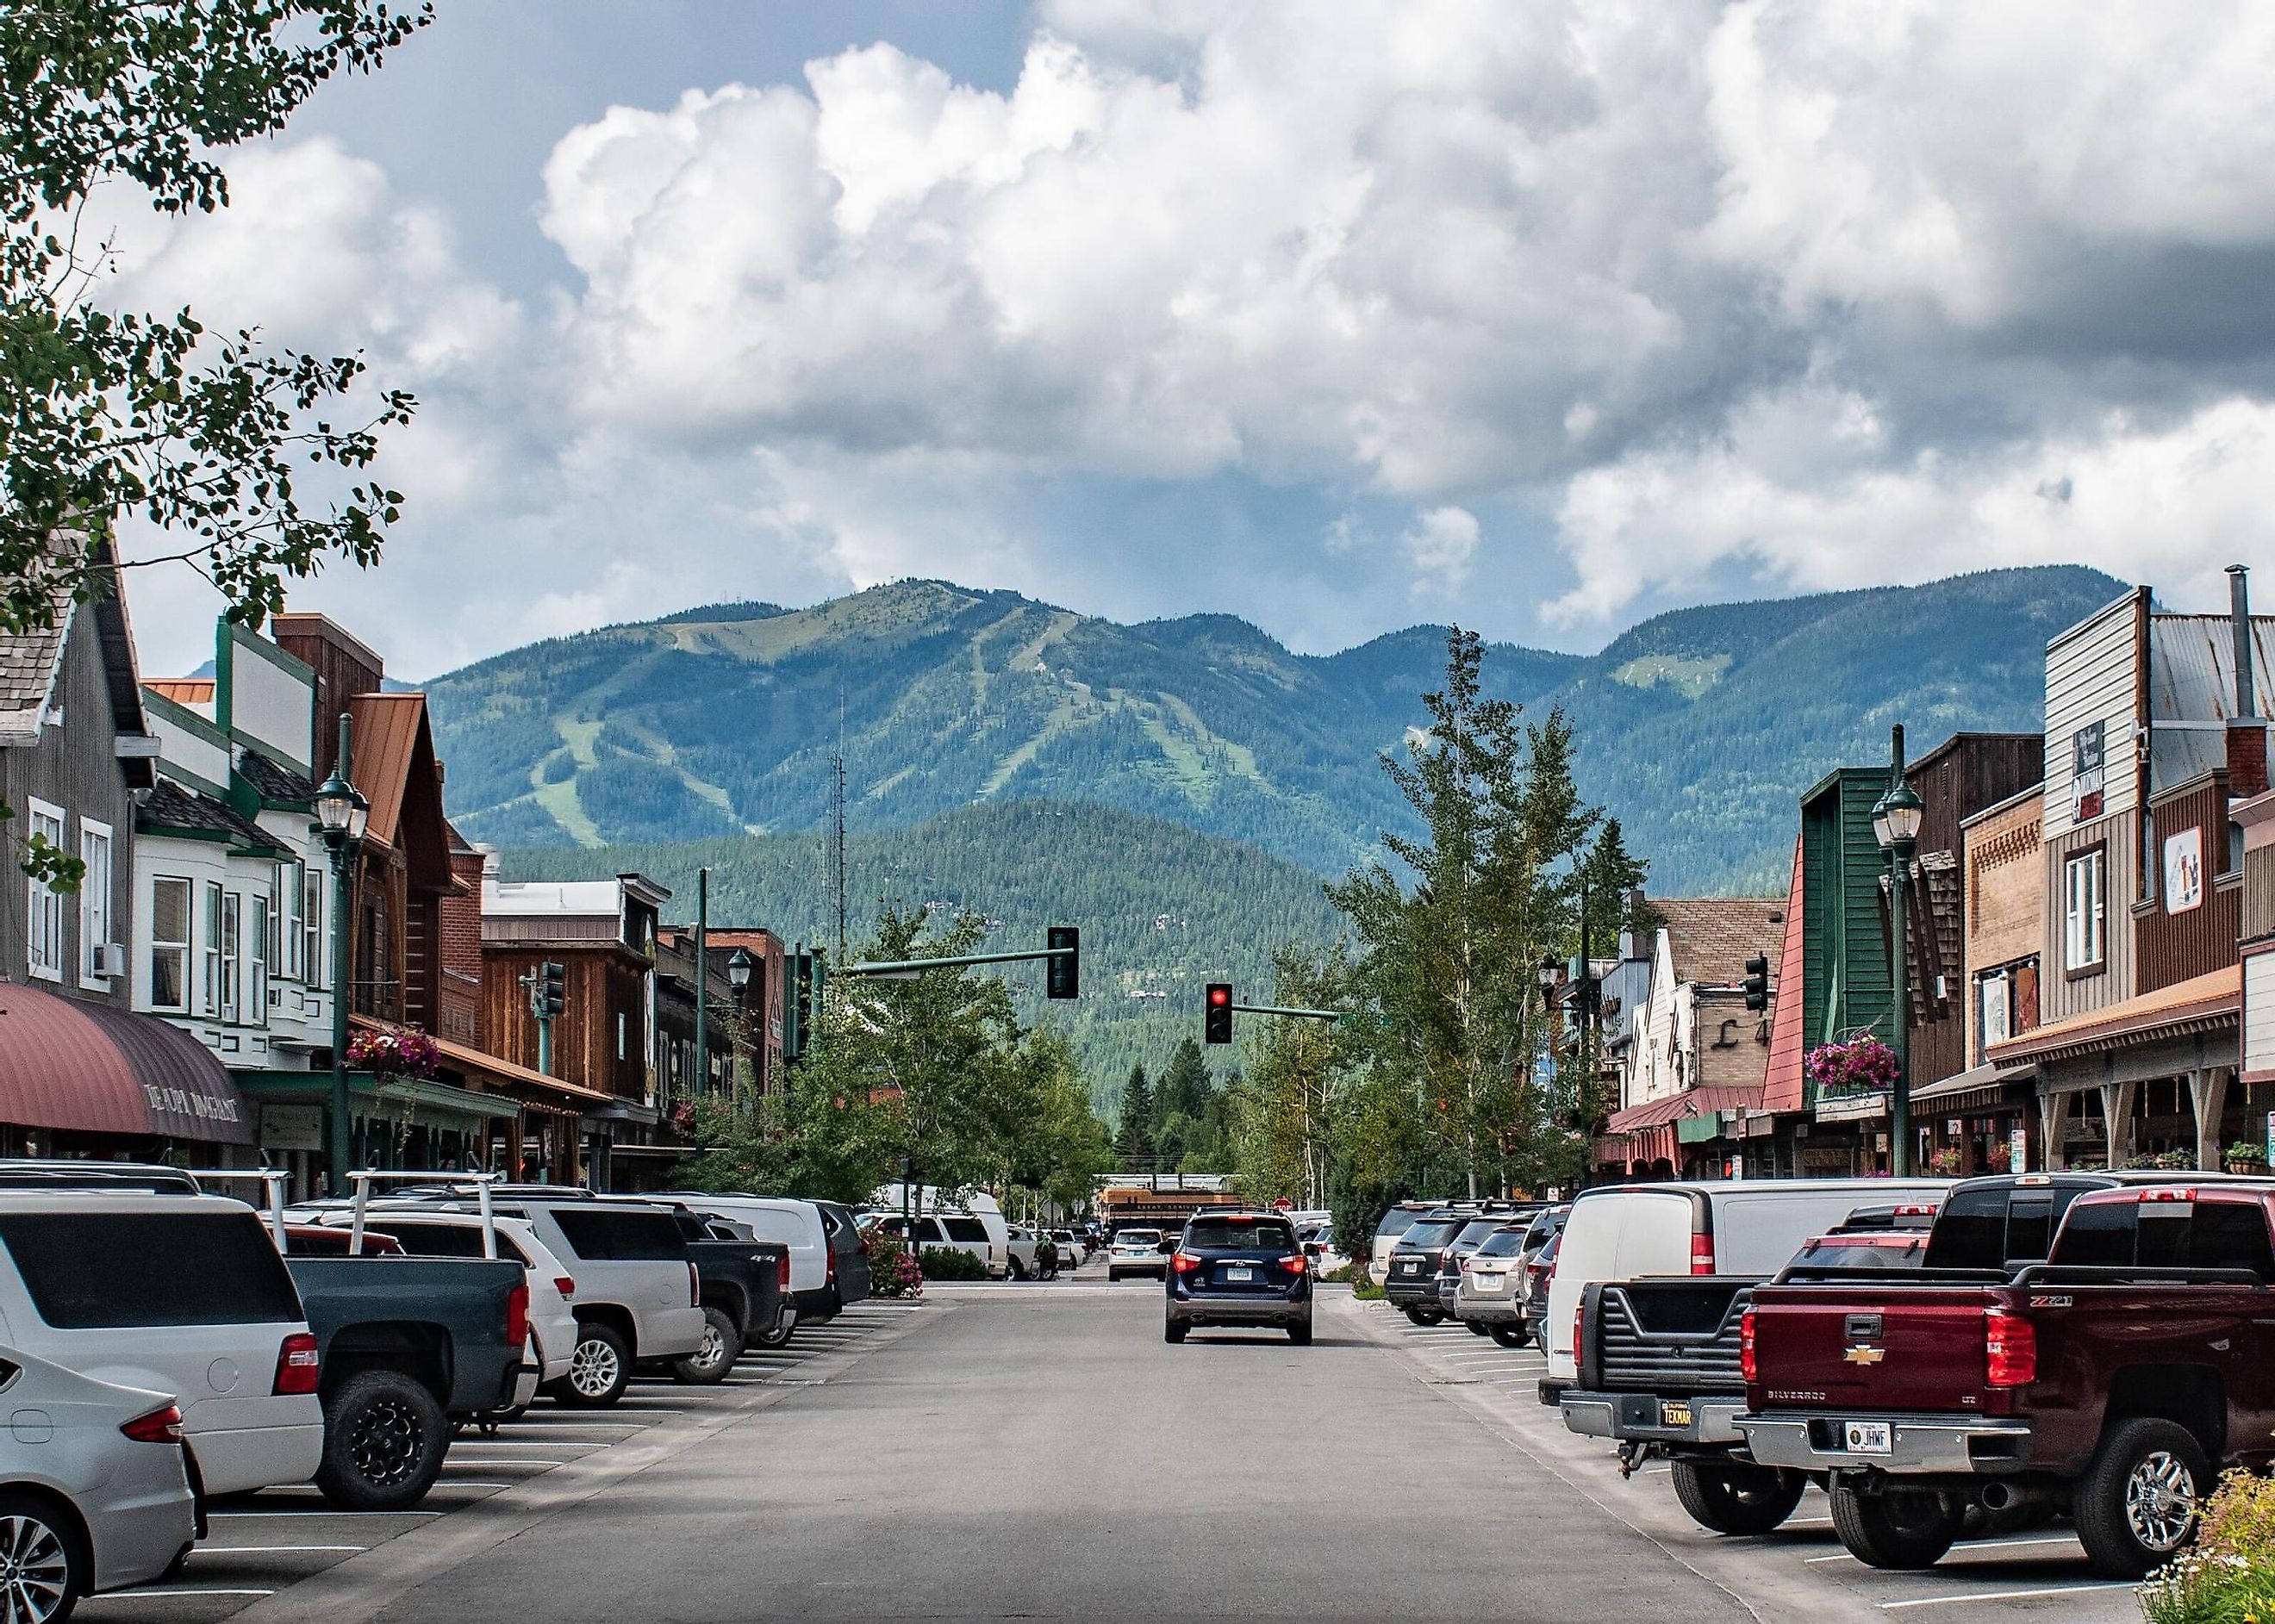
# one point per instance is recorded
(1860, 1066)
(407, 1053)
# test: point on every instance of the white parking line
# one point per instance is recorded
(1977, 1544)
(531, 1443)
(2057, 1589)
(217, 1515)
(190, 1589)
(267, 1550)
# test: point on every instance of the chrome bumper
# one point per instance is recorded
(1642, 1416)
(1918, 1444)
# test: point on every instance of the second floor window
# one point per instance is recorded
(311, 924)
(2085, 891)
(256, 961)
(232, 950)
(210, 977)
(169, 943)
(94, 935)
(44, 932)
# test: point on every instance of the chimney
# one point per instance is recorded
(489, 873)
(1632, 945)
(2247, 733)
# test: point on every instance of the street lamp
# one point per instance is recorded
(738, 969)
(1896, 826)
(341, 814)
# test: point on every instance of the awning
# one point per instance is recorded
(1691, 1102)
(91, 1068)
(413, 1095)
(1982, 1089)
(2202, 1004)
(516, 1084)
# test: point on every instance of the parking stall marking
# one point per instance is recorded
(1972, 1596)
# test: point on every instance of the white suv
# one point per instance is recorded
(181, 1294)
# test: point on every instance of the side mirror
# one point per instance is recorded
(1167, 1246)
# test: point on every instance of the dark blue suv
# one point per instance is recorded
(1239, 1269)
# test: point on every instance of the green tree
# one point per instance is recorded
(214, 439)
(1135, 1142)
(1291, 1123)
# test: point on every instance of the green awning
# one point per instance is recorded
(414, 1093)
(1698, 1129)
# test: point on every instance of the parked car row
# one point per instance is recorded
(1944, 1359)
(163, 1344)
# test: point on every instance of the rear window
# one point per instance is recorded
(1854, 1254)
(1394, 1222)
(1986, 1228)
(1502, 1243)
(1262, 1233)
(1430, 1236)
(1138, 1238)
(969, 1230)
(1545, 1227)
(95, 1270)
(446, 1240)
(1474, 1232)
(2208, 1234)
(599, 1236)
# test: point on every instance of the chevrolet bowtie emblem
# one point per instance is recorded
(1865, 1355)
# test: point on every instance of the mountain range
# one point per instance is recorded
(1698, 728)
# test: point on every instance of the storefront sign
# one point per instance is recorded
(292, 1127)
(2184, 870)
(2088, 751)
(2018, 1150)
(2270, 1138)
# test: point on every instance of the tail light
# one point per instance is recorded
(2010, 1349)
(1702, 1254)
(1579, 1333)
(1465, 1265)
(297, 1369)
(829, 1251)
(694, 1288)
(782, 1272)
(565, 1284)
(1184, 1263)
(517, 1314)
(1293, 1265)
(1747, 1368)
(160, 1426)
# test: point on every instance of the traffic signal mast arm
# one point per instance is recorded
(1301, 1014)
(909, 967)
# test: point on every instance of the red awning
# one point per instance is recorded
(90, 1068)
(1690, 1102)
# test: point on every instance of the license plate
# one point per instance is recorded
(1240, 1274)
(1672, 1414)
(1868, 1437)
(1488, 1282)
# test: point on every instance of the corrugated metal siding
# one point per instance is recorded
(2091, 677)
(2174, 947)
(2258, 917)
(2058, 996)
(2192, 678)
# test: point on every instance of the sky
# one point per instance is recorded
(1542, 319)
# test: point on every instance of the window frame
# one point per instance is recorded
(312, 926)
(98, 901)
(43, 919)
(180, 948)
(254, 979)
(231, 933)
(2096, 857)
(209, 953)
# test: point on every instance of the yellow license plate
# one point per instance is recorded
(1674, 1415)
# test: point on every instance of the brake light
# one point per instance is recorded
(1184, 1263)
(517, 1314)
(1747, 1369)
(782, 1273)
(297, 1369)
(565, 1284)
(2182, 1193)
(1580, 1333)
(1923, 1211)
(1293, 1265)
(2010, 1349)
(162, 1425)
(694, 1288)
(1702, 1254)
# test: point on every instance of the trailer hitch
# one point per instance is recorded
(1633, 1453)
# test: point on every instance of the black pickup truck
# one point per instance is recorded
(1659, 1358)
(743, 1283)
(407, 1347)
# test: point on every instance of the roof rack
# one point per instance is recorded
(153, 1178)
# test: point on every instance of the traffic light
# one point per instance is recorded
(794, 1004)
(1757, 982)
(548, 995)
(1062, 972)
(1216, 1016)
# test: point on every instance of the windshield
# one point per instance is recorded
(1502, 1243)
(1247, 1233)
(1432, 1234)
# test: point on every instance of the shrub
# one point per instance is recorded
(947, 1263)
(1364, 1287)
(2229, 1577)
(891, 1273)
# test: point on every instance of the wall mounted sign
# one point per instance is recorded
(2184, 870)
(2087, 760)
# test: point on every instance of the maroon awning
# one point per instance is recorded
(90, 1068)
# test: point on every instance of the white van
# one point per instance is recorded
(786, 1222)
(1727, 1226)
(958, 1212)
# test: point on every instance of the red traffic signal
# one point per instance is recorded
(1216, 1015)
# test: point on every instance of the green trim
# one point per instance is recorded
(183, 717)
(221, 663)
(314, 1087)
(229, 638)
(168, 831)
(290, 664)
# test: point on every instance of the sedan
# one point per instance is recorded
(1239, 1269)
(115, 1454)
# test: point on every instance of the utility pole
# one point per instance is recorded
(840, 836)
(702, 1085)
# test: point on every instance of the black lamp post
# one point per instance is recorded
(739, 964)
(1896, 825)
(341, 815)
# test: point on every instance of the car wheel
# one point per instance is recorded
(711, 1362)
(1510, 1336)
(1895, 1529)
(47, 1568)
(1430, 1316)
(2139, 1502)
(1735, 1498)
(1300, 1333)
(1113, 1275)
(1172, 1332)
(775, 1336)
(600, 1369)
(384, 1438)
(1477, 1327)
(1015, 1270)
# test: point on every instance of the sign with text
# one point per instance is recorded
(2088, 755)
(292, 1127)
(2184, 870)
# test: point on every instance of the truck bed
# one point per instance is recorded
(443, 1316)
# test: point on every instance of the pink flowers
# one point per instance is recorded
(407, 1053)
(1859, 1066)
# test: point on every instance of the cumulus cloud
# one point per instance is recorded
(1440, 546)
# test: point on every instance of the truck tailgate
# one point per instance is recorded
(1910, 1349)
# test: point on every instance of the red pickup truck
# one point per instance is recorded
(2110, 1382)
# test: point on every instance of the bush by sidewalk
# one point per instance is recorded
(2228, 1577)
(947, 1263)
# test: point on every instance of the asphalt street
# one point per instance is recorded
(1037, 1451)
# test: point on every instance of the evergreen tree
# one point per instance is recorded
(1185, 1088)
(1135, 1142)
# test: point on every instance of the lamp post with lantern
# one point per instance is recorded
(1896, 825)
(341, 815)
(739, 966)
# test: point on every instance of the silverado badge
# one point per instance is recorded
(1865, 1355)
